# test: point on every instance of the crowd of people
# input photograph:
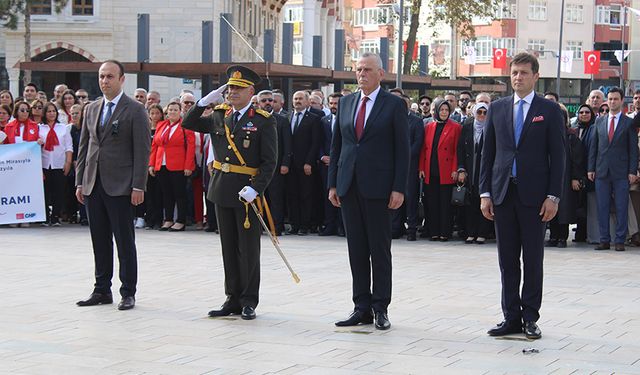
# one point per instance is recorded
(442, 197)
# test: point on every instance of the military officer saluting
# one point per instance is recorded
(245, 146)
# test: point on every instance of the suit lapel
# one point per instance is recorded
(444, 135)
(619, 129)
(509, 120)
(122, 104)
(533, 108)
(351, 106)
(377, 107)
(95, 124)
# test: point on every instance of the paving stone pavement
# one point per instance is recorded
(446, 296)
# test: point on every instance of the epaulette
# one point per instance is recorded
(222, 107)
(263, 112)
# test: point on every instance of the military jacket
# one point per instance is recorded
(255, 137)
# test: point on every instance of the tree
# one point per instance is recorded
(458, 14)
(11, 11)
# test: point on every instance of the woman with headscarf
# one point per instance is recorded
(587, 219)
(438, 168)
(469, 151)
(575, 174)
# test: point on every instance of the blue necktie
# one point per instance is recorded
(107, 115)
(518, 130)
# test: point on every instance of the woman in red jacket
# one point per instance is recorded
(173, 159)
(438, 169)
(22, 129)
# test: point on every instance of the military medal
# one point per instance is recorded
(246, 143)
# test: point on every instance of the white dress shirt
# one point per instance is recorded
(372, 99)
(113, 109)
(294, 118)
(615, 121)
(525, 107)
(55, 159)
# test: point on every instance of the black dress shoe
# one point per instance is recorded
(303, 232)
(127, 303)
(619, 247)
(562, 244)
(292, 231)
(97, 299)
(532, 331)
(356, 317)
(248, 313)
(382, 321)
(328, 231)
(506, 328)
(225, 310)
(551, 243)
(340, 232)
(603, 246)
(411, 236)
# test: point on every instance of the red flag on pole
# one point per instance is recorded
(591, 62)
(500, 58)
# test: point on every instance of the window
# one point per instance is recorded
(367, 45)
(297, 46)
(41, 7)
(574, 13)
(538, 10)
(576, 47)
(507, 9)
(483, 46)
(82, 8)
(508, 43)
(372, 16)
(609, 15)
(536, 45)
(293, 14)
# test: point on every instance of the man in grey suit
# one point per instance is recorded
(613, 164)
(111, 176)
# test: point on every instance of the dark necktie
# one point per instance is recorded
(360, 118)
(297, 123)
(236, 118)
(107, 116)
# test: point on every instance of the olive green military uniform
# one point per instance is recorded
(255, 137)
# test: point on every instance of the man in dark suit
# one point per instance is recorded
(453, 104)
(245, 144)
(111, 175)
(306, 137)
(332, 216)
(521, 169)
(276, 188)
(367, 179)
(613, 165)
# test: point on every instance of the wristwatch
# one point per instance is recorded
(554, 199)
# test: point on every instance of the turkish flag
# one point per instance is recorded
(500, 58)
(591, 62)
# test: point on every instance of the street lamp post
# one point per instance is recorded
(560, 49)
(400, 45)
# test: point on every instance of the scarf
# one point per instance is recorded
(165, 135)
(478, 126)
(52, 139)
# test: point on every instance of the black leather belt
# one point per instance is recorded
(513, 180)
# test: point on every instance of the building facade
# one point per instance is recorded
(97, 30)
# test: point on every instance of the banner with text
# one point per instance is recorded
(22, 192)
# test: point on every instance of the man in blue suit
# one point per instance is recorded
(613, 164)
(367, 179)
(521, 169)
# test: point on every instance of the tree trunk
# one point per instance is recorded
(27, 41)
(453, 74)
(411, 38)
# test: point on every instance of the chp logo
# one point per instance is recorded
(24, 216)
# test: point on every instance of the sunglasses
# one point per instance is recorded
(266, 100)
(604, 111)
(188, 102)
(37, 107)
(482, 112)
(24, 110)
(81, 96)
(584, 113)
(425, 103)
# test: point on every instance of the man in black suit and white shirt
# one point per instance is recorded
(111, 176)
(367, 179)
(332, 215)
(306, 133)
(521, 174)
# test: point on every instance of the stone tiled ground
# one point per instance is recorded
(446, 295)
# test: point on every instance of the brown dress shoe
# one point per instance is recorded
(603, 246)
(619, 247)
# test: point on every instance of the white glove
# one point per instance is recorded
(248, 194)
(3, 136)
(212, 97)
